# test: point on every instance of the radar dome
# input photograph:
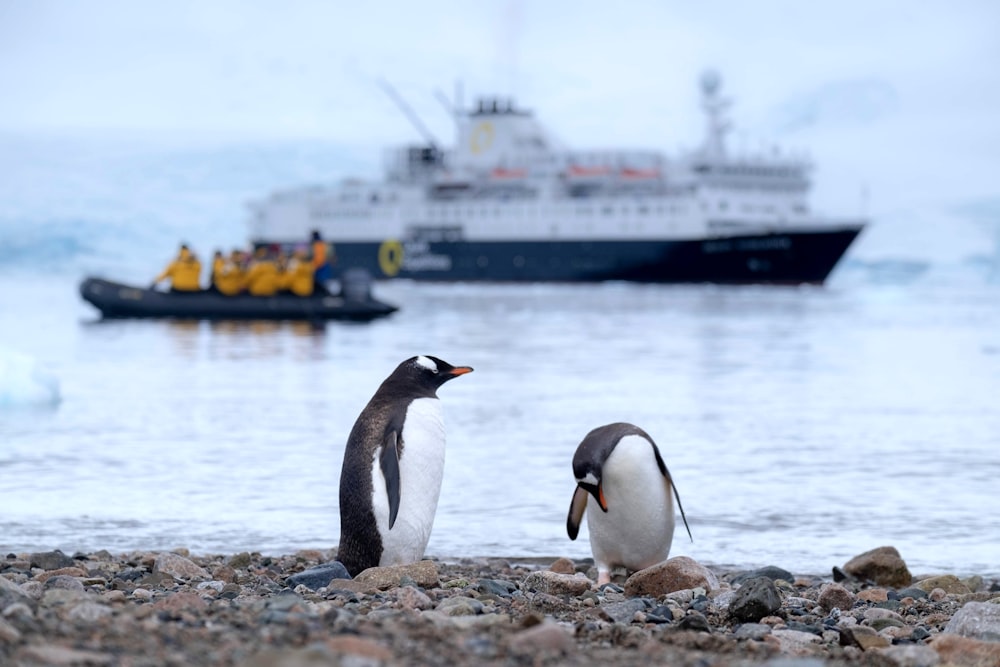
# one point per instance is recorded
(710, 82)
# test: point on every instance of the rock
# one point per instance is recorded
(64, 582)
(835, 596)
(459, 606)
(365, 649)
(179, 567)
(795, 642)
(423, 574)
(754, 600)
(755, 631)
(68, 571)
(883, 565)
(861, 637)
(965, 651)
(319, 576)
(910, 655)
(413, 598)
(623, 612)
(497, 587)
(178, 603)
(10, 593)
(8, 633)
(51, 560)
(547, 637)
(949, 583)
(563, 566)
(978, 620)
(873, 595)
(240, 561)
(88, 612)
(553, 583)
(771, 572)
(676, 574)
(58, 655)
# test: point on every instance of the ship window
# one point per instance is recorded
(723, 205)
(607, 210)
(643, 210)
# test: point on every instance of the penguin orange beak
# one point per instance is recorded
(461, 370)
(596, 490)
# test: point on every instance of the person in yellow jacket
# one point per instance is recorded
(262, 278)
(218, 263)
(231, 278)
(184, 272)
(298, 275)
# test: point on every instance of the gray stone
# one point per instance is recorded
(553, 583)
(883, 565)
(772, 572)
(179, 567)
(676, 574)
(65, 582)
(460, 606)
(51, 560)
(752, 631)
(754, 600)
(622, 612)
(317, 577)
(910, 655)
(545, 637)
(496, 587)
(978, 620)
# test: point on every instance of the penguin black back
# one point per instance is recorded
(380, 425)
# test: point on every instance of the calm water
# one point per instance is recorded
(802, 426)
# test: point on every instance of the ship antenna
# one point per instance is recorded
(409, 113)
(715, 109)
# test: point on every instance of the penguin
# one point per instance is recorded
(621, 477)
(393, 463)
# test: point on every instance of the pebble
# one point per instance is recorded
(252, 610)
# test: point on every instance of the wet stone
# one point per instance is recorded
(319, 576)
(883, 565)
(622, 612)
(755, 599)
(979, 620)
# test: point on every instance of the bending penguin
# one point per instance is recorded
(621, 476)
(391, 477)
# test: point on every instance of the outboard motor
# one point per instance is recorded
(356, 285)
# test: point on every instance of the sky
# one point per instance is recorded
(897, 103)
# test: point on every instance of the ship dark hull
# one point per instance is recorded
(780, 258)
(116, 300)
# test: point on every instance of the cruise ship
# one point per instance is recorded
(509, 203)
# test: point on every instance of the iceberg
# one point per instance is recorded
(24, 383)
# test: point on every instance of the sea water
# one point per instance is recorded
(802, 425)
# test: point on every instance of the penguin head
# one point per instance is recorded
(593, 451)
(427, 373)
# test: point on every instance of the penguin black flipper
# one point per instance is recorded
(576, 509)
(670, 481)
(388, 461)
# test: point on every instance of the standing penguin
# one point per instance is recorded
(621, 476)
(393, 464)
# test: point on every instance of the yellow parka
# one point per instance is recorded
(299, 276)
(231, 278)
(184, 272)
(262, 279)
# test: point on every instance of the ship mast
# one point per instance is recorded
(715, 107)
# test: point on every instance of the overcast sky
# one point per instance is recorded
(900, 97)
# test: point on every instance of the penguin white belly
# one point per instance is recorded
(638, 527)
(421, 469)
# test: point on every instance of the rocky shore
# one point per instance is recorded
(174, 608)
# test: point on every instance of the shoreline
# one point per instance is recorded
(173, 607)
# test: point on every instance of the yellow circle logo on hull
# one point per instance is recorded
(390, 257)
(482, 137)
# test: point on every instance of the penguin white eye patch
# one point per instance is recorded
(427, 363)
